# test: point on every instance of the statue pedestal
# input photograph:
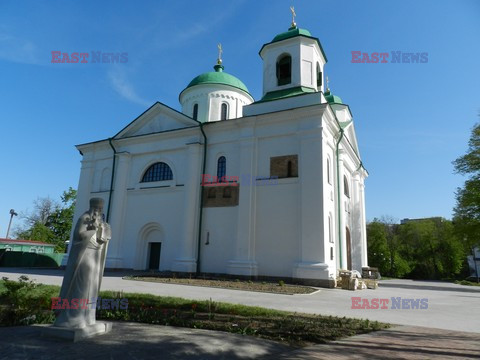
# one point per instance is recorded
(76, 334)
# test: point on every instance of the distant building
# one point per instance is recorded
(435, 218)
(27, 246)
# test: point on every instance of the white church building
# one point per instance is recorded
(267, 188)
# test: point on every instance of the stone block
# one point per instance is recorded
(76, 334)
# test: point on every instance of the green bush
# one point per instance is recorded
(25, 302)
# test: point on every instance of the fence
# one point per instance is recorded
(27, 259)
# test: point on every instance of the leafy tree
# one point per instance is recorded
(50, 221)
(384, 247)
(60, 221)
(378, 253)
(423, 249)
(432, 248)
(467, 209)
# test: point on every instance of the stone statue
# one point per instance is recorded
(84, 271)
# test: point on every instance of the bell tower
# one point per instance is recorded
(292, 62)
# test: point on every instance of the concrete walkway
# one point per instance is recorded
(141, 341)
(450, 306)
(136, 341)
(403, 342)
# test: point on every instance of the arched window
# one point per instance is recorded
(329, 178)
(346, 189)
(195, 112)
(221, 168)
(224, 111)
(319, 75)
(284, 70)
(158, 172)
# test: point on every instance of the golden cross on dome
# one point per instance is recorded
(220, 51)
(328, 81)
(292, 9)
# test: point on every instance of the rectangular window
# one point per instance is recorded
(284, 166)
(221, 195)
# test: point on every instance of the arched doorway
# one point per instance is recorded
(348, 240)
(149, 247)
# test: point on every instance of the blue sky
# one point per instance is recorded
(412, 120)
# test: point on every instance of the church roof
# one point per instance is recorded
(332, 99)
(284, 93)
(344, 124)
(292, 32)
(24, 242)
(218, 77)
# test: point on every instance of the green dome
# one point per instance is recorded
(218, 77)
(292, 32)
(332, 99)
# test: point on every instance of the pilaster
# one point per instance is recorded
(186, 260)
(118, 204)
(244, 261)
(341, 221)
(312, 264)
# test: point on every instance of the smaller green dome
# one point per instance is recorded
(292, 32)
(218, 77)
(332, 99)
